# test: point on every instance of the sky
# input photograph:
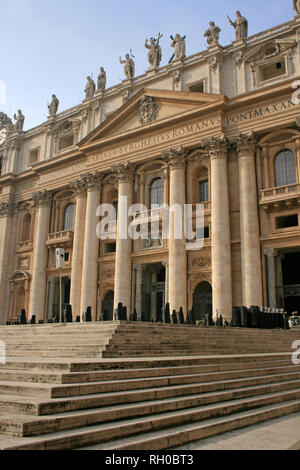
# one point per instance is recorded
(50, 46)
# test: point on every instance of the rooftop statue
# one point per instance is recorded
(102, 79)
(53, 106)
(155, 52)
(19, 118)
(212, 34)
(129, 67)
(90, 88)
(296, 4)
(240, 25)
(179, 47)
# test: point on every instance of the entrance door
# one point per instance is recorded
(108, 306)
(291, 282)
(202, 300)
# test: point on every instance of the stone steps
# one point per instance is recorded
(44, 376)
(186, 421)
(171, 386)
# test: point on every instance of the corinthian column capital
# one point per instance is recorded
(7, 208)
(245, 144)
(175, 158)
(124, 171)
(93, 181)
(42, 198)
(216, 146)
(79, 186)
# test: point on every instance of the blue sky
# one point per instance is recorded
(50, 46)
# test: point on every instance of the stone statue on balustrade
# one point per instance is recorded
(155, 52)
(90, 89)
(129, 66)
(179, 47)
(240, 25)
(102, 79)
(296, 4)
(212, 34)
(53, 106)
(19, 118)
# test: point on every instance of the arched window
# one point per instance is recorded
(68, 217)
(285, 170)
(157, 192)
(25, 235)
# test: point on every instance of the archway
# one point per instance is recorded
(202, 300)
(108, 306)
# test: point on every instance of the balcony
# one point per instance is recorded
(60, 239)
(24, 246)
(283, 197)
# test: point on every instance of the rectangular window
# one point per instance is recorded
(33, 156)
(276, 69)
(197, 87)
(1, 162)
(66, 141)
(287, 221)
(203, 191)
(109, 248)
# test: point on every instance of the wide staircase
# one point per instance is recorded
(125, 386)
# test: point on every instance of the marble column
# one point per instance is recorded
(175, 159)
(166, 265)
(79, 188)
(124, 172)
(271, 276)
(38, 285)
(220, 230)
(8, 228)
(139, 268)
(90, 246)
(249, 225)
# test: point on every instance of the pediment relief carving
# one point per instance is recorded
(269, 50)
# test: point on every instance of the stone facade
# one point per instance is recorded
(219, 128)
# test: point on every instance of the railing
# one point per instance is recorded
(280, 192)
(60, 237)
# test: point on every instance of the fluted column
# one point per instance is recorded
(220, 225)
(175, 159)
(91, 246)
(38, 285)
(250, 245)
(79, 188)
(124, 173)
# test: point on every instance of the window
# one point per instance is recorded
(1, 160)
(157, 192)
(285, 170)
(203, 191)
(197, 87)
(33, 156)
(66, 141)
(26, 226)
(272, 70)
(68, 217)
(110, 248)
(287, 221)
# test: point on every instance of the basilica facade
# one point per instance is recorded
(219, 128)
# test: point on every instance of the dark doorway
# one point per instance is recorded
(202, 300)
(291, 281)
(108, 306)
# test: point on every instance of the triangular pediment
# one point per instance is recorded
(150, 108)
